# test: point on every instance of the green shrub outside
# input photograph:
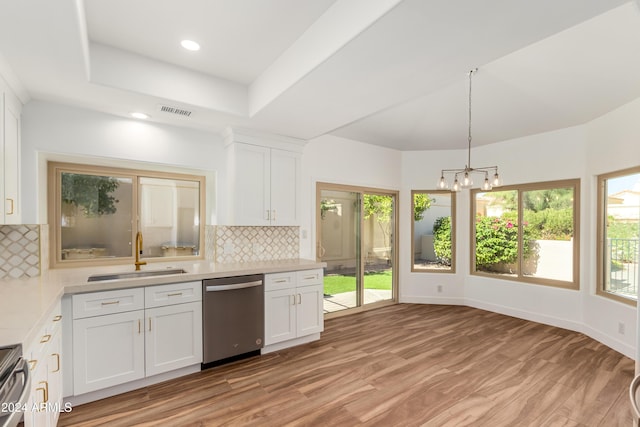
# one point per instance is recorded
(496, 240)
(550, 224)
(442, 239)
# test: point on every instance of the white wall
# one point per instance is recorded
(609, 143)
(606, 144)
(421, 171)
(613, 143)
(342, 161)
(64, 133)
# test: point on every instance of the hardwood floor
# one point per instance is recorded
(404, 365)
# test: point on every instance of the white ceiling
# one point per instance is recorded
(386, 72)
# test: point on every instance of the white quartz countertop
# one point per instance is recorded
(24, 303)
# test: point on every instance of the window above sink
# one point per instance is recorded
(96, 212)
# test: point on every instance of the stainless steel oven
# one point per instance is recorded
(233, 318)
(14, 385)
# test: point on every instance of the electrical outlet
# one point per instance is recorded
(439, 289)
(621, 328)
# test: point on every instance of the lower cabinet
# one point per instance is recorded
(293, 305)
(107, 351)
(45, 364)
(118, 347)
(173, 338)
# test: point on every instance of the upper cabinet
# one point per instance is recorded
(264, 179)
(10, 110)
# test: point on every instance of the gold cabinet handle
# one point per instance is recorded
(293, 300)
(309, 277)
(268, 215)
(45, 391)
(139, 327)
(57, 318)
(274, 215)
(57, 356)
(32, 364)
(149, 324)
(176, 294)
(280, 281)
(10, 210)
(45, 338)
(299, 298)
(111, 302)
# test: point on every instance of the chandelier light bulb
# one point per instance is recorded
(456, 185)
(486, 186)
(467, 181)
(442, 183)
(497, 181)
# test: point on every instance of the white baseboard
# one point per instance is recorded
(527, 315)
(291, 343)
(414, 299)
(607, 340)
(559, 322)
(133, 385)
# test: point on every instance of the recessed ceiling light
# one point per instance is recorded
(190, 45)
(139, 115)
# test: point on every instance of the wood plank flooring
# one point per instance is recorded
(403, 365)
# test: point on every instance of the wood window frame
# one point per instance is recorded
(452, 270)
(600, 236)
(520, 188)
(54, 211)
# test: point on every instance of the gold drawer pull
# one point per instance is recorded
(280, 281)
(310, 277)
(11, 209)
(45, 391)
(57, 356)
(111, 302)
(45, 338)
(32, 364)
(57, 318)
(176, 294)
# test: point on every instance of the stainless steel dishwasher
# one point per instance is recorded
(233, 318)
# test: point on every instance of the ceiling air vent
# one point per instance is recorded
(174, 110)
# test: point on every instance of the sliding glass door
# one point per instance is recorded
(356, 238)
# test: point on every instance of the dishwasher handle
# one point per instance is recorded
(217, 288)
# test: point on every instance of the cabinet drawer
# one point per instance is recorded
(108, 302)
(49, 329)
(277, 281)
(310, 277)
(174, 293)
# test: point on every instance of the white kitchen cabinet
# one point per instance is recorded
(45, 363)
(264, 182)
(173, 322)
(293, 305)
(107, 350)
(129, 334)
(10, 110)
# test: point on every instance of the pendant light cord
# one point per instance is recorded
(469, 139)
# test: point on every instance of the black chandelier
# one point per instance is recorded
(462, 178)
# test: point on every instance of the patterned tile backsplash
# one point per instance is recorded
(24, 248)
(19, 251)
(246, 244)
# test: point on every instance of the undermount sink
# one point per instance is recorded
(135, 274)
